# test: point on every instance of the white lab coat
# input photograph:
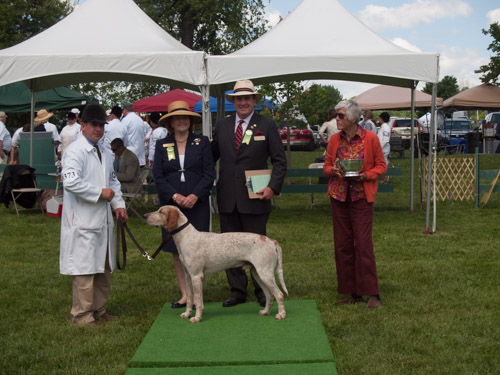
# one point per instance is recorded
(87, 221)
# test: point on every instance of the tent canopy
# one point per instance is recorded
(307, 44)
(485, 96)
(16, 97)
(160, 102)
(392, 97)
(102, 41)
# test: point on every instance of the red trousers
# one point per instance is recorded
(354, 257)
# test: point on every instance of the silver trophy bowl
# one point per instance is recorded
(351, 167)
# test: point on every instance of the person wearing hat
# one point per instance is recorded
(42, 117)
(87, 249)
(5, 139)
(184, 173)
(69, 132)
(246, 141)
(114, 128)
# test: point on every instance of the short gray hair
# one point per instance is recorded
(129, 107)
(352, 109)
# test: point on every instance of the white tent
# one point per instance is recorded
(102, 41)
(320, 39)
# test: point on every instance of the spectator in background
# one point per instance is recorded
(5, 140)
(367, 122)
(126, 167)
(329, 127)
(135, 133)
(69, 132)
(352, 200)
(41, 122)
(114, 128)
(14, 150)
(384, 135)
(159, 132)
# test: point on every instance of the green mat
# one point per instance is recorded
(235, 336)
(327, 368)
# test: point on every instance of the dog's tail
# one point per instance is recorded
(280, 266)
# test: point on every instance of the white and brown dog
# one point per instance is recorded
(205, 253)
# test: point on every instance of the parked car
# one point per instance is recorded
(455, 128)
(300, 139)
(493, 118)
(400, 127)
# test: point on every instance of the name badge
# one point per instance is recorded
(260, 137)
(168, 145)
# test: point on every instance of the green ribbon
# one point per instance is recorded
(248, 136)
(170, 153)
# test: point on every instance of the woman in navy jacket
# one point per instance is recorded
(183, 171)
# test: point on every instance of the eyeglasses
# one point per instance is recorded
(340, 116)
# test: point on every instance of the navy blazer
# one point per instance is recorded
(265, 145)
(198, 168)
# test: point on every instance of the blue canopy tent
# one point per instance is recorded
(228, 106)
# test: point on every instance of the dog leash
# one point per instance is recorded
(121, 228)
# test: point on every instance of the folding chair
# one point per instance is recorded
(27, 178)
(132, 200)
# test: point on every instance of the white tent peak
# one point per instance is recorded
(320, 27)
(110, 26)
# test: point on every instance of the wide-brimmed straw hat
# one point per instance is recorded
(179, 108)
(43, 115)
(243, 87)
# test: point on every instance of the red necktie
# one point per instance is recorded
(238, 136)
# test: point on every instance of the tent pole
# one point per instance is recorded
(205, 111)
(32, 119)
(412, 148)
(434, 172)
(430, 170)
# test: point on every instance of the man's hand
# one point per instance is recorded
(107, 194)
(267, 193)
(121, 213)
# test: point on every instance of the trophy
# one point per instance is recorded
(351, 167)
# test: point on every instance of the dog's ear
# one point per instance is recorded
(173, 216)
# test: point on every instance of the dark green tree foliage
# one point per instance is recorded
(491, 72)
(22, 19)
(285, 97)
(214, 26)
(315, 102)
(446, 88)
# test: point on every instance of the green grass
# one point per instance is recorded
(440, 292)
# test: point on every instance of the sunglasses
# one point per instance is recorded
(340, 116)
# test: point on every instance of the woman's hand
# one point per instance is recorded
(336, 171)
(186, 202)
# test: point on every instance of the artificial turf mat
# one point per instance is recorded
(235, 336)
(324, 368)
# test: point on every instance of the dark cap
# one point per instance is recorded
(94, 113)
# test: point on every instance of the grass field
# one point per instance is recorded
(440, 292)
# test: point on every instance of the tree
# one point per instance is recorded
(214, 26)
(491, 72)
(22, 19)
(446, 88)
(315, 102)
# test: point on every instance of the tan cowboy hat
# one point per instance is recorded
(243, 87)
(43, 115)
(179, 108)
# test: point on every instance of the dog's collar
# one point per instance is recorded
(175, 231)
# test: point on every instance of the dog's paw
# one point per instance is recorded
(185, 315)
(280, 316)
(264, 312)
(195, 319)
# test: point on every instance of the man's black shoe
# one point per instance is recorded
(232, 302)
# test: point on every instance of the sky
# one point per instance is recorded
(451, 28)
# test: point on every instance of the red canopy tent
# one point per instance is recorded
(160, 102)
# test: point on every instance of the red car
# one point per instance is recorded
(300, 139)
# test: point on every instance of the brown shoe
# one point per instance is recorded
(95, 323)
(350, 300)
(373, 303)
(107, 317)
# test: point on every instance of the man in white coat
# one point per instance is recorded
(91, 189)
(136, 133)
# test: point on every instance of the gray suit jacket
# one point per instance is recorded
(265, 145)
(128, 172)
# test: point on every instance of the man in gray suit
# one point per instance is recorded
(126, 166)
(246, 141)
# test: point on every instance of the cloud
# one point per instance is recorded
(272, 16)
(411, 14)
(493, 16)
(461, 63)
